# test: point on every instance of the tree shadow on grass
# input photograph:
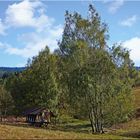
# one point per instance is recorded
(79, 128)
(133, 134)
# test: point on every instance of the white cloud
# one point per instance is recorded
(23, 64)
(4, 45)
(56, 31)
(28, 14)
(31, 48)
(114, 5)
(2, 28)
(31, 14)
(133, 45)
(1, 45)
(34, 42)
(129, 21)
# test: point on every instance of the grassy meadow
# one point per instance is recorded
(73, 129)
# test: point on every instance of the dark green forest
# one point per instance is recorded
(84, 78)
(7, 71)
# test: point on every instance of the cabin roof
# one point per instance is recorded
(34, 111)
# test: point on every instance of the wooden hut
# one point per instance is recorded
(39, 115)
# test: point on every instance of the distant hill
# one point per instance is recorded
(137, 68)
(12, 69)
(9, 70)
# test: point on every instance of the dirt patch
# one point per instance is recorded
(137, 113)
(13, 119)
(135, 134)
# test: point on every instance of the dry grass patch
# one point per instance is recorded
(15, 132)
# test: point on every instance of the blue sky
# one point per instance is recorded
(26, 27)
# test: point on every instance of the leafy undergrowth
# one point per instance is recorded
(131, 128)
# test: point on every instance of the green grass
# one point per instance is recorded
(73, 129)
(16, 132)
(70, 128)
